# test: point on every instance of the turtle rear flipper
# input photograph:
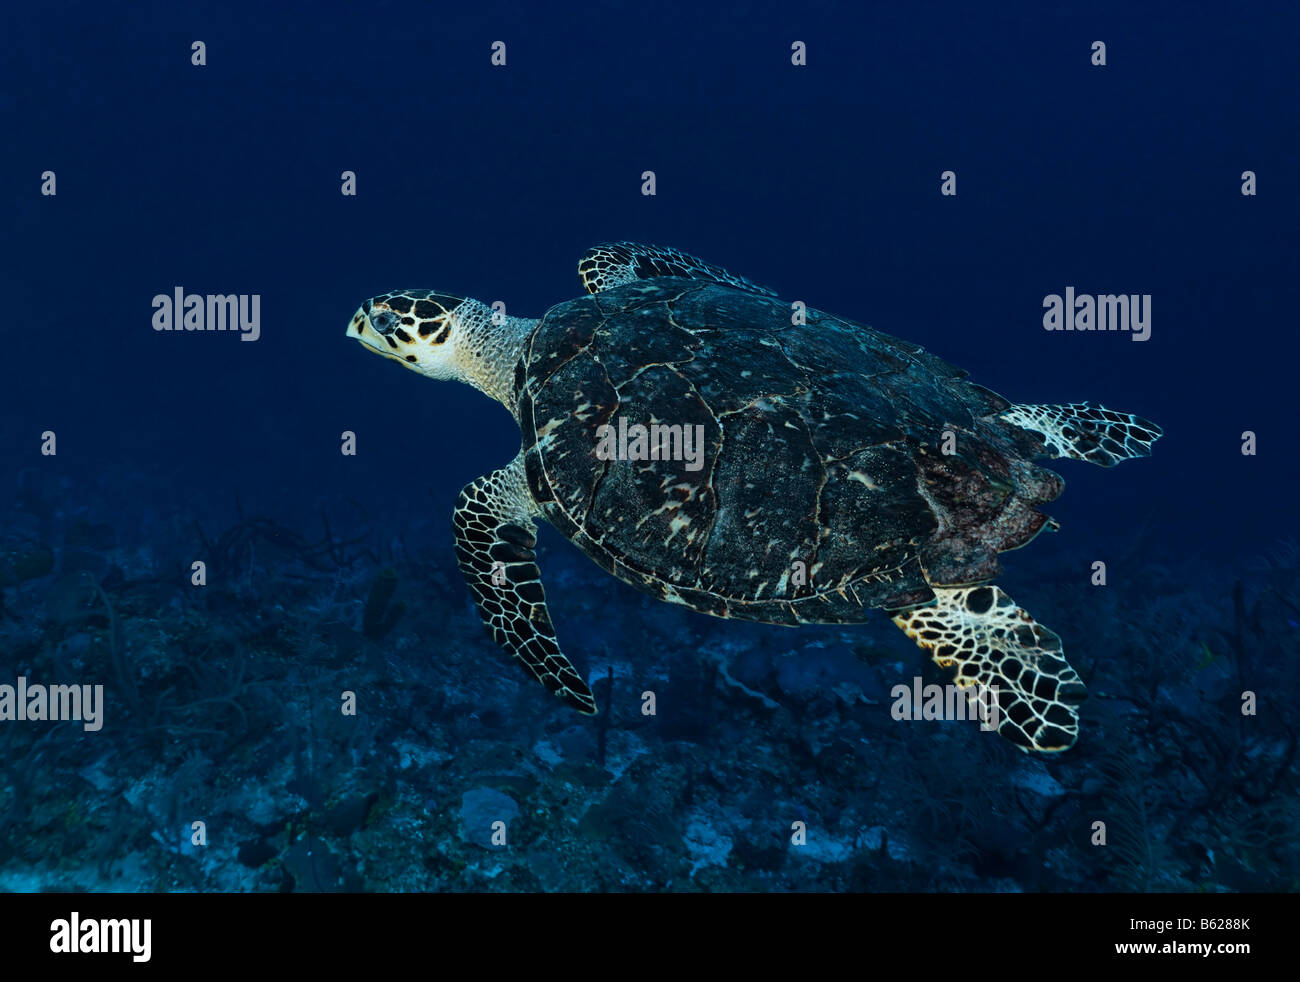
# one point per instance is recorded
(495, 538)
(994, 644)
(1083, 431)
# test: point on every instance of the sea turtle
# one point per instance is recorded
(717, 447)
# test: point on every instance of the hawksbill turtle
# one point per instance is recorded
(802, 468)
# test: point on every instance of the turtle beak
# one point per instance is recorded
(360, 323)
(361, 328)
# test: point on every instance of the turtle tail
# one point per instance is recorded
(1085, 431)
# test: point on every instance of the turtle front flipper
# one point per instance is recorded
(612, 264)
(995, 644)
(1083, 431)
(495, 539)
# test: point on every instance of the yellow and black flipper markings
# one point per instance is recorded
(495, 539)
(993, 643)
(1083, 431)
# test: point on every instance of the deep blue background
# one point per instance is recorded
(820, 181)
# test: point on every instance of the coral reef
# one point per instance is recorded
(326, 715)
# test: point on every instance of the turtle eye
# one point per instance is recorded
(384, 321)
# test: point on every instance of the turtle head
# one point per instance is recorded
(445, 337)
(423, 329)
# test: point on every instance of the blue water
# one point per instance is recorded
(821, 181)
